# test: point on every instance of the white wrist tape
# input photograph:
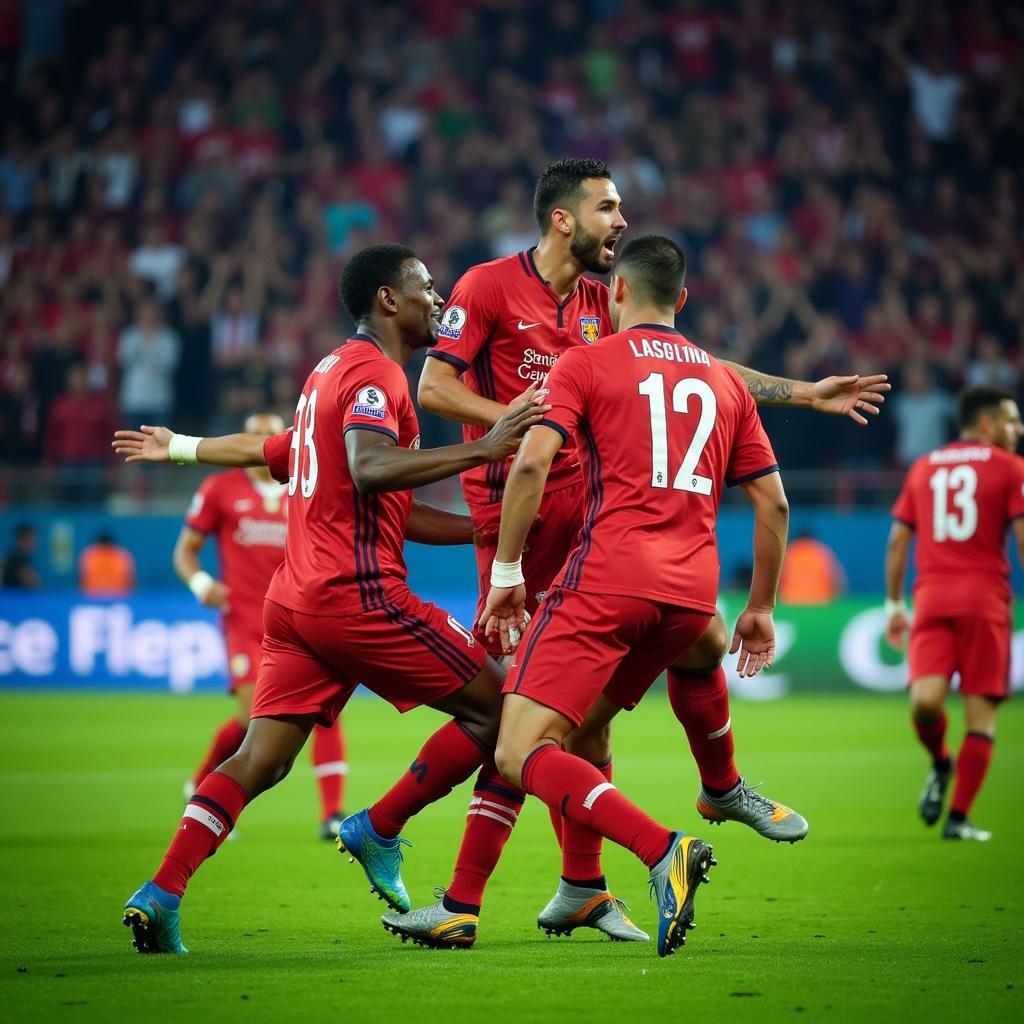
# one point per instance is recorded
(895, 607)
(507, 574)
(199, 583)
(182, 449)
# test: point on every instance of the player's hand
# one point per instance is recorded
(851, 396)
(148, 444)
(754, 638)
(217, 596)
(534, 393)
(896, 630)
(505, 613)
(502, 440)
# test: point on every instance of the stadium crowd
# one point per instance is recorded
(180, 184)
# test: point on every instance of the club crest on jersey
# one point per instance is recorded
(239, 665)
(453, 319)
(590, 328)
(370, 401)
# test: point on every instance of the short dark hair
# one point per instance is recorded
(972, 402)
(561, 184)
(655, 268)
(376, 266)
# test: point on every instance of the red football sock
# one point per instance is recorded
(581, 847)
(971, 768)
(556, 823)
(580, 791)
(329, 767)
(209, 818)
(493, 811)
(449, 757)
(226, 740)
(933, 737)
(700, 701)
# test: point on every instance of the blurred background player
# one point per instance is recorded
(246, 512)
(505, 326)
(959, 502)
(106, 568)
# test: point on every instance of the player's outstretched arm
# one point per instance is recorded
(853, 396)
(430, 525)
(754, 636)
(378, 464)
(159, 444)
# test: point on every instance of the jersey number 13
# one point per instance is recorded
(961, 482)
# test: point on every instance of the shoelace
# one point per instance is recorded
(439, 891)
(750, 795)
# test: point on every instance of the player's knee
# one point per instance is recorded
(591, 742)
(257, 771)
(509, 759)
(709, 650)
(926, 707)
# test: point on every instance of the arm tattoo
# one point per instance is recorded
(764, 389)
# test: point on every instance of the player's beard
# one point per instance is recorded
(585, 249)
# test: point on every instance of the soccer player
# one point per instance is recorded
(338, 611)
(245, 511)
(506, 325)
(959, 502)
(661, 425)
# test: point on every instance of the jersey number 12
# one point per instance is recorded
(687, 478)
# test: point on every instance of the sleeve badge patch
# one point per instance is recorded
(453, 319)
(371, 401)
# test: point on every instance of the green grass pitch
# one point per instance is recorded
(872, 917)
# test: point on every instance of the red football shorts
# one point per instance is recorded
(581, 645)
(409, 652)
(979, 649)
(244, 649)
(548, 544)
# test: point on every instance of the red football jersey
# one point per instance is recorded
(959, 501)
(342, 546)
(505, 328)
(660, 426)
(248, 520)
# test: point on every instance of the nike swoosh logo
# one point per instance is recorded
(526, 327)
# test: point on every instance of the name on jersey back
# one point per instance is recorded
(656, 348)
(944, 455)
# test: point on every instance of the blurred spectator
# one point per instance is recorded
(148, 353)
(811, 572)
(923, 413)
(845, 180)
(106, 569)
(157, 259)
(18, 571)
(78, 434)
